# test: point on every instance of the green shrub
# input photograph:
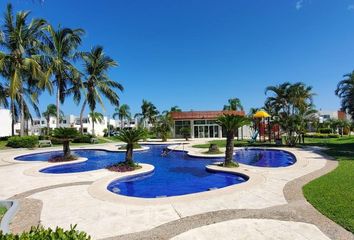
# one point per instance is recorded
(321, 135)
(22, 142)
(325, 130)
(40, 233)
(83, 138)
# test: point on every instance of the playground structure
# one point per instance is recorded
(265, 128)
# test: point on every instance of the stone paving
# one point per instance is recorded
(65, 199)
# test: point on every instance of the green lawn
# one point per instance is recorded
(237, 143)
(3, 144)
(333, 193)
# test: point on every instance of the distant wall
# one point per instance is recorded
(5, 123)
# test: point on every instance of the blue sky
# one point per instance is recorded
(198, 53)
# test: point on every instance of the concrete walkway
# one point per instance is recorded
(64, 199)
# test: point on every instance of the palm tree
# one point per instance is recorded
(148, 112)
(65, 135)
(20, 64)
(96, 117)
(231, 123)
(97, 83)
(175, 109)
(163, 126)
(130, 137)
(60, 48)
(234, 104)
(123, 113)
(345, 91)
(51, 111)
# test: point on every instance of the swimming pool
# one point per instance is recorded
(175, 174)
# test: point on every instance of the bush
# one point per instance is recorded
(325, 130)
(321, 135)
(83, 138)
(40, 233)
(22, 142)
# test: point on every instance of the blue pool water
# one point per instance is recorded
(174, 174)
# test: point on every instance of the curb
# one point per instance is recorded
(12, 207)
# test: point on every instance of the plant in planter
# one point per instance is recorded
(213, 149)
(231, 123)
(65, 136)
(131, 138)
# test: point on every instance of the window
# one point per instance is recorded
(179, 125)
(85, 130)
(199, 122)
(43, 122)
(64, 121)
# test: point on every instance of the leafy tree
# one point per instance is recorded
(148, 112)
(163, 126)
(51, 111)
(60, 48)
(96, 117)
(130, 137)
(123, 113)
(186, 132)
(345, 91)
(20, 64)
(234, 104)
(175, 109)
(231, 123)
(65, 135)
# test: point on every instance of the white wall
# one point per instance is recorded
(5, 123)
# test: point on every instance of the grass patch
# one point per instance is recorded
(237, 143)
(3, 145)
(333, 193)
(2, 211)
(214, 152)
(229, 165)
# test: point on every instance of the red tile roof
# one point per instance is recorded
(202, 114)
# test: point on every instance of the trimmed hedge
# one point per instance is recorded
(84, 138)
(40, 233)
(22, 142)
(321, 135)
(325, 130)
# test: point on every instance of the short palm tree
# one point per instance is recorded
(163, 126)
(234, 104)
(231, 123)
(65, 135)
(60, 48)
(51, 111)
(20, 64)
(96, 117)
(345, 90)
(122, 113)
(130, 137)
(97, 83)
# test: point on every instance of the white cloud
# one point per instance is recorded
(299, 4)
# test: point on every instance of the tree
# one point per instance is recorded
(234, 104)
(231, 123)
(148, 112)
(186, 132)
(51, 111)
(163, 126)
(60, 48)
(96, 117)
(65, 135)
(20, 64)
(291, 106)
(122, 113)
(130, 137)
(345, 91)
(97, 83)
(175, 109)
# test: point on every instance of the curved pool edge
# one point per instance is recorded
(99, 190)
(12, 208)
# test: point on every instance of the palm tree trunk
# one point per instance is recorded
(81, 117)
(129, 154)
(230, 135)
(48, 119)
(93, 126)
(13, 117)
(58, 101)
(22, 121)
(66, 149)
(121, 123)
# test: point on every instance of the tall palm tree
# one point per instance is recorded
(60, 48)
(163, 126)
(20, 64)
(97, 83)
(96, 117)
(234, 104)
(130, 137)
(122, 113)
(231, 123)
(345, 91)
(51, 111)
(148, 112)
